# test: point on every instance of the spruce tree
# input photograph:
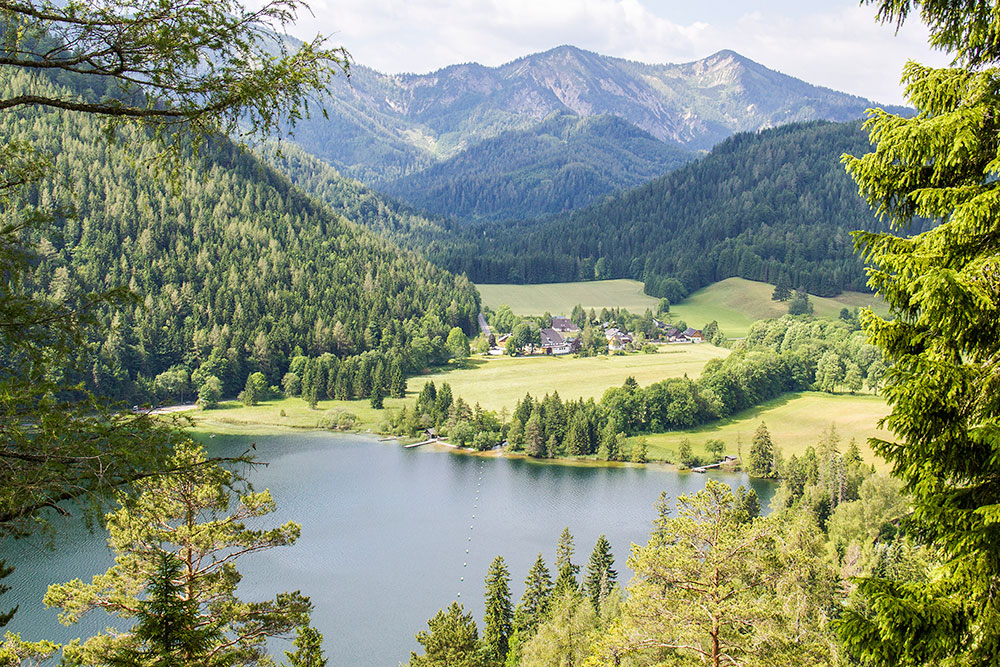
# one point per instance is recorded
(534, 443)
(782, 290)
(451, 640)
(169, 632)
(537, 596)
(761, 463)
(397, 384)
(576, 436)
(940, 341)
(601, 576)
(566, 571)
(663, 509)
(499, 616)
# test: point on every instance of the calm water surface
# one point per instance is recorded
(389, 535)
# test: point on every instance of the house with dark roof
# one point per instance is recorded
(694, 335)
(553, 342)
(564, 325)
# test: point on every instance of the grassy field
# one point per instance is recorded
(735, 303)
(284, 414)
(559, 298)
(794, 421)
(496, 382)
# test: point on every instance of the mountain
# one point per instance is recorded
(761, 205)
(235, 269)
(382, 128)
(561, 164)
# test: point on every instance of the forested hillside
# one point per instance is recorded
(381, 127)
(561, 164)
(235, 269)
(759, 206)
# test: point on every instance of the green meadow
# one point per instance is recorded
(283, 414)
(559, 298)
(795, 421)
(498, 382)
(734, 303)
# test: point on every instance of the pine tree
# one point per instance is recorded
(761, 463)
(600, 575)
(200, 516)
(566, 571)
(499, 616)
(536, 599)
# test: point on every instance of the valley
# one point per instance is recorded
(456, 317)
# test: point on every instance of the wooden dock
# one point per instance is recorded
(422, 442)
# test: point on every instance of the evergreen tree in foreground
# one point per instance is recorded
(451, 640)
(566, 571)
(197, 518)
(168, 633)
(601, 577)
(941, 341)
(537, 596)
(499, 616)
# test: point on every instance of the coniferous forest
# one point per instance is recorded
(234, 269)
(760, 206)
(158, 244)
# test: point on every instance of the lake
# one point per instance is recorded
(389, 535)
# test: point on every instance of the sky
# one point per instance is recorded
(834, 43)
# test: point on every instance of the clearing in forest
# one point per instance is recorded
(795, 421)
(497, 382)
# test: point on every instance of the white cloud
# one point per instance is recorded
(836, 46)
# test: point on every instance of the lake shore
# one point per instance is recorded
(293, 415)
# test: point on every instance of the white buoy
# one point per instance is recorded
(465, 564)
(463, 578)
(466, 551)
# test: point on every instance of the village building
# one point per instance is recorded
(564, 325)
(553, 342)
(694, 335)
(675, 335)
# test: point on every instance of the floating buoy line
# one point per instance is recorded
(472, 526)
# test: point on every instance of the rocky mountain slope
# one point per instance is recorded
(383, 127)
